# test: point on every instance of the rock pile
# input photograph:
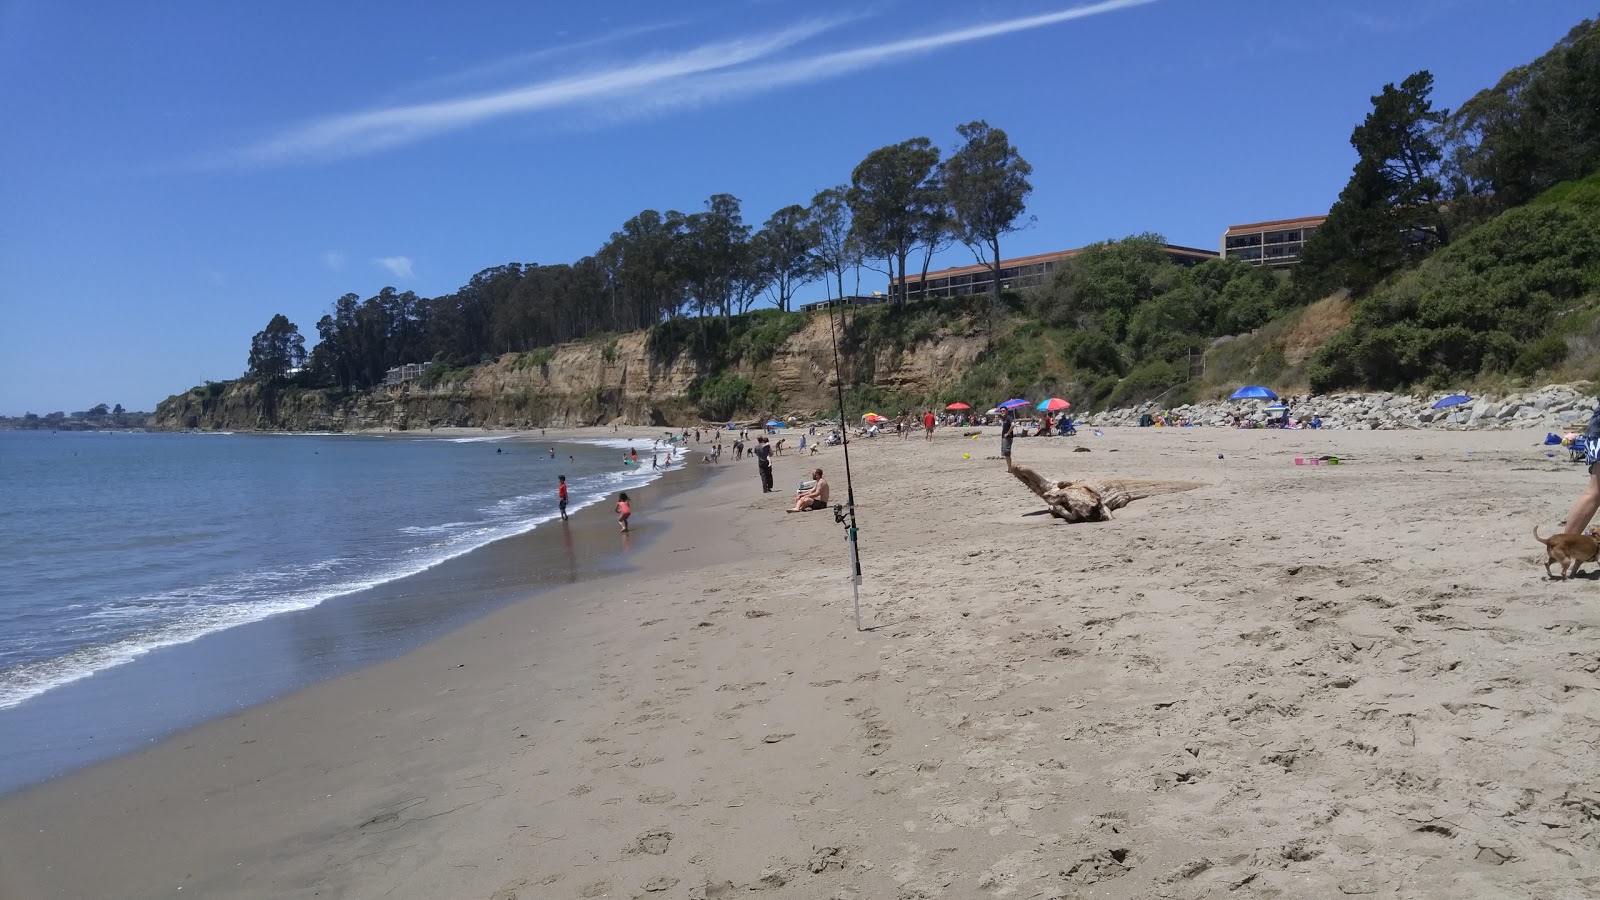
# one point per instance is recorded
(1558, 407)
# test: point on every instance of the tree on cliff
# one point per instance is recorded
(1539, 126)
(836, 249)
(784, 248)
(1388, 215)
(276, 349)
(986, 184)
(891, 192)
(716, 255)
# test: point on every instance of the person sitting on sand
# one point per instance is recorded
(816, 498)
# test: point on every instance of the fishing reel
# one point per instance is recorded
(838, 514)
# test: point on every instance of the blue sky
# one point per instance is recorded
(173, 174)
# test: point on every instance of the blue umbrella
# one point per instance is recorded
(776, 424)
(1253, 392)
(1452, 400)
(1013, 404)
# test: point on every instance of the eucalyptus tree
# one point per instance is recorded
(986, 184)
(783, 251)
(277, 349)
(837, 248)
(890, 192)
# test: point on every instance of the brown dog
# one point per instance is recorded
(1570, 550)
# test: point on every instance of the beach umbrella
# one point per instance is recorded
(958, 406)
(1013, 404)
(1452, 400)
(776, 424)
(1054, 404)
(993, 412)
(1253, 392)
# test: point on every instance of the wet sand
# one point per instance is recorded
(1291, 682)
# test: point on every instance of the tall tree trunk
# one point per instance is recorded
(994, 247)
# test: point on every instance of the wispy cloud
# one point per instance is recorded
(379, 129)
(716, 71)
(398, 266)
(771, 76)
(511, 65)
(333, 259)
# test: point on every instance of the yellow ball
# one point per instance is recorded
(966, 456)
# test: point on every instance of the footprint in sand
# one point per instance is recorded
(653, 842)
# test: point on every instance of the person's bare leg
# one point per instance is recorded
(1583, 508)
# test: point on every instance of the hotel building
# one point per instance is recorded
(1276, 243)
(1022, 272)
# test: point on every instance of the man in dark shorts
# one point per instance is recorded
(927, 424)
(561, 494)
(1007, 432)
(815, 498)
(763, 455)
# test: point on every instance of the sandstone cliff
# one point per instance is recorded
(582, 383)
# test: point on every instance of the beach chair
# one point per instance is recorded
(1578, 450)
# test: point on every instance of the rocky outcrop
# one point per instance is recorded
(581, 383)
(1558, 407)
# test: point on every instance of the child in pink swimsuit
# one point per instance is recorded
(623, 512)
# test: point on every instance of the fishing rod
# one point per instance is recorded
(845, 515)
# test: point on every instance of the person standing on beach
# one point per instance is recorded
(623, 512)
(763, 456)
(927, 424)
(1007, 432)
(1583, 508)
(561, 495)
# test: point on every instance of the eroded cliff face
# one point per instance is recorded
(584, 383)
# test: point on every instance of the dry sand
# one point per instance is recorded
(1292, 682)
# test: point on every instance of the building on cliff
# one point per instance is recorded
(852, 300)
(405, 373)
(1276, 243)
(1022, 272)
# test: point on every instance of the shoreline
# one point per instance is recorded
(126, 707)
(1266, 686)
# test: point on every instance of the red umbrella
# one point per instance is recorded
(958, 406)
(1054, 404)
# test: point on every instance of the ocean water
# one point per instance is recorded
(115, 545)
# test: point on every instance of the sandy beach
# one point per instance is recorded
(1290, 682)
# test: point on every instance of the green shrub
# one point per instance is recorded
(1492, 302)
(1145, 382)
(537, 358)
(720, 396)
(1545, 353)
(439, 374)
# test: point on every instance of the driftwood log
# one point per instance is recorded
(1093, 499)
